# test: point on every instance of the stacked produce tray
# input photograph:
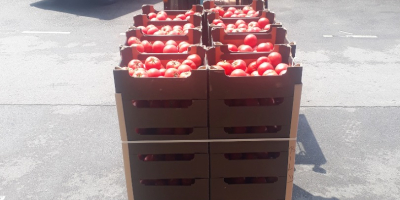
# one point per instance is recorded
(207, 131)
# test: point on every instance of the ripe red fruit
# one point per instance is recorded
(195, 58)
(189, 12)
(253, 24)
(162, 71)
(231, 26)
(275, 58)
(184, 68)
(188, 26)
(149, 158)
(221, 11)
(265, 47)
(283, 72)
(171, 72)
(171, 42)
(133, 40)
(263, 22)
(135, 64)
(254, 29)
(185, 74)
(181, 16)
(246, 9)
(242, 26)
(228, 14)
(250, 40)
(148, 47)
(231, 9)
(161, 17)
(241, 15)
(152, 62)
(252, 67)
(238, 72)
(166, 28)
(245, 48)
(234, 15)
(238, 22)
(139, 47)
(280, 67)
(217, 21)
(152, 15)
(255, 73)
(250, 13)
(239, 64)
(189, 63)
(170, 49)
(270, 72)
(264, 67)
(173, 64)
(267, 27)
(261, 60)
(177, 27)
(226, 66)
(184, 47)
(222, 24)
(232, 47)
(153, 72)
(158, 47)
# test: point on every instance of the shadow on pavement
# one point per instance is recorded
(310, 152)
(89, 8)
(300, 194)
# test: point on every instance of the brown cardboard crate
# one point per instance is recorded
(194, 36)
(198, 167)
(255, 4)
(193, 87)
(130, 52)
(146, 9)
(269, 191)
(224, 87)
(143, 20)
(198, 191)
(276, 35)
(231, 20)
(221, 166)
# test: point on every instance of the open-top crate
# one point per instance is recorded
(194, 36)
(130, 90)
(255, 4)
(143, 20)
(146, 9)
(281, 119)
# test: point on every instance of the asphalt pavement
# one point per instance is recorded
(58, 124)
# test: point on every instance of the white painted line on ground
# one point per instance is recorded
(352, 36)
(45, 32)
(2, 197)
(122, 34)
(345, 32)
(362, 36)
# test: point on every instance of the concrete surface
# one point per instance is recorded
(58, 123)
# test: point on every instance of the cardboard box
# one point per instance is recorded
(222, 87)
(143, 20)
(194, 36)
(146, 9)
(222, 167)
(135, 171)
(193, 88)
(198, 167)
(268, 191)
(256, 5)
(276, 35)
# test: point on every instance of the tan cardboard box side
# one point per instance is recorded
(128, 177)
(295, 110)
(121, 117)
